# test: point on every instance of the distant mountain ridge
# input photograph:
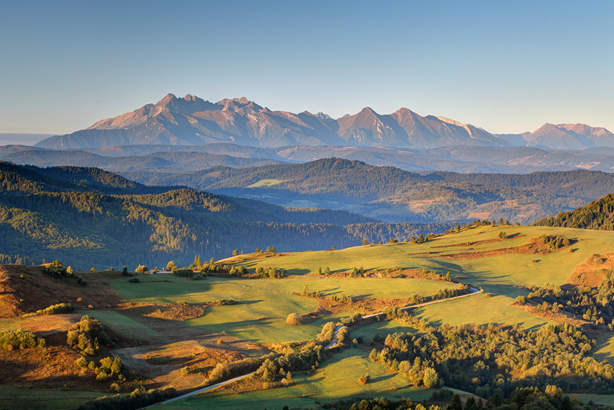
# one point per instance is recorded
(563, 136)
(194, 121)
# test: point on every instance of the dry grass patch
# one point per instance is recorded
(534, 247)
(166, 311)
(592, 271)
(37, 290)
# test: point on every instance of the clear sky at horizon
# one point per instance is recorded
(506, 66)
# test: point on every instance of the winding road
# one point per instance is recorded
(474, 291)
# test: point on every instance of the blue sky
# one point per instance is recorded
(505, 66)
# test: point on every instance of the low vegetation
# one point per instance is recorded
(20, 339)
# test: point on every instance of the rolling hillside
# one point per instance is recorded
(393, 195)
(95, 218)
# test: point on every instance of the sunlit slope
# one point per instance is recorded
(265, 303)
(337, 380)
(442, 255)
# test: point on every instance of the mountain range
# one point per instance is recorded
(193, 121)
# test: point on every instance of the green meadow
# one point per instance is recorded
(335, 380)
(264, 303)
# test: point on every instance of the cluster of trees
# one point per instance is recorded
(20, 339)
(491, 360)
(595, 305)
(342, 298)
(596, 215)
(548, 398)
(56, 309)
(554, 241)
(137, 399)
(55, 270)
(109, 369)
(86, 336)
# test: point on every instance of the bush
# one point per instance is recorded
(86, 334)
(134, 280)
(364, 379)
(20, 339)
(294, 320)
(81, 362)
(57, 309)
(225, 302)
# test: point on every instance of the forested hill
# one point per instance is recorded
(46, 218)
(332, 176)
(596, 215)
(577, 183)
(394, 195)
(349, 178)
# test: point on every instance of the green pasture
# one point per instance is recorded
(44, 399)
(599, 399)
(265, 303)
(494, 270)
(337, 379)
(124, 326)
(383, 328)
(482, 310)
(604, 348)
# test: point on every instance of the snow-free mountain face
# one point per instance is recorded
(563, 136)
(194, 121)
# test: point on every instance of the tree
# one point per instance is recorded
(170, 266)
(455, 404)
(320, 271)
(327, 271)
(258, 249)
(273, 249)
(268, 249)
(431, 379)
(69, 270)
(448, 278)
(364, 242)
(125, 271)
(235, 252)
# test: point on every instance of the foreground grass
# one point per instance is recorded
(265, 304)
(43, 399)
(335, 380)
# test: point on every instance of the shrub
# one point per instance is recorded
(56, 309)
(225, 302)
(81, 362)
(294, 320)
(364, 379)
(20, 339)
(134, 280)
(86, 334)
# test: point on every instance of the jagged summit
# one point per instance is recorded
(194, 121)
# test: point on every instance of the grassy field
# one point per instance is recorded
(482, 310)
(605, 348)
(265, 304)
(43, 399)
(600, 399)
(382, 328)
(514, 269)
(335, 380)
(125, 326)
